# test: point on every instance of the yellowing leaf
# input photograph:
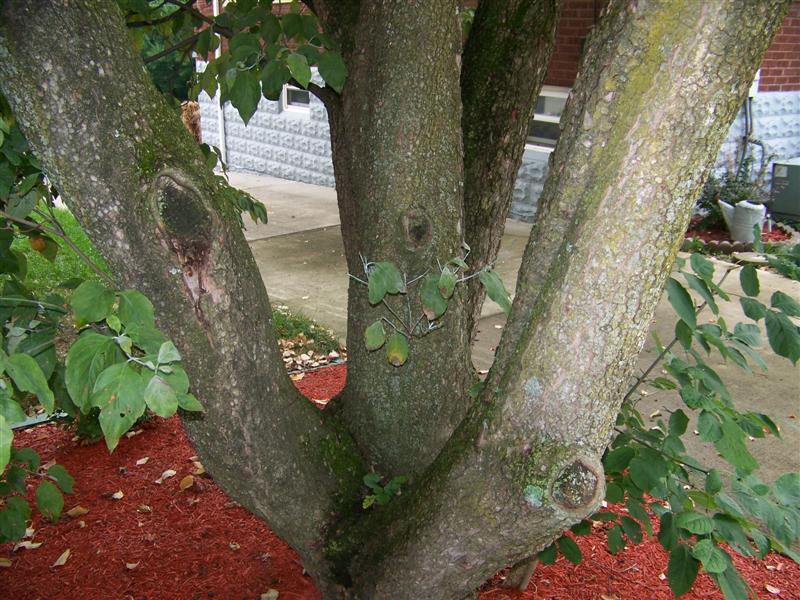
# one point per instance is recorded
(62, 560)
(77, 511)
(118, 495)
(142, 461)
(5, 562)
(131, 566)
(186, 482)
(772, 589)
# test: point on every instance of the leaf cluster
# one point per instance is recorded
(703, 514)
(434, 291)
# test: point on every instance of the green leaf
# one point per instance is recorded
(748, 333)
(632, 529)
(495, 289)
(667, 533)
(731, 583)
(86, 359)
(245, 94)
(614, 493)
(732, 447)
(662, 383)
(13, 519)
(49, 501)
(703, 267)
(273, 78)
(684, 333)
(708, 426)
(682, 302)
(748, 278)
(384, 278)
(397, 349)
(168, 353)
(787, 489)
(713, 482)
(92, 301)
(646, 474)
(332, 69)
(6, 436)
(160, 397)
(753, 309)
(617, 460)
(375, 336)
(10, 409)
(292, 25)
(570, 550)
(119, 394)
(447, 282)
(135, 307)
(548, 555)
(616, 542)
(637, 511)
(786, 304)
(190, 403)
(694, 522)
(28, 377)
(62, 478)
(298, 67)
(681, 570)
(700, 286)
(712, 558)
(678, 422)
(783, 336)
(433, 305)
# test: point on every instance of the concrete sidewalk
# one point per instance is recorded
(301, 258)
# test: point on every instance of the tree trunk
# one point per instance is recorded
(136, 181)
(505, 61)
(659, 86)
(398, 164)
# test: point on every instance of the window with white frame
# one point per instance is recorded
(294, 99)
(544, 129)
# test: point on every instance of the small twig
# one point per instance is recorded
(417, 278)
(361, 281)
(167, 51)
(394, 314)
(37, 303)
(160, 20)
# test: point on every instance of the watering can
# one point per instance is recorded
(741, 219)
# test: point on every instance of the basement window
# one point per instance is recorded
(294, 99)
(544, 129)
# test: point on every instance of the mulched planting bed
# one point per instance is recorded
(159, 542)
(722, 235)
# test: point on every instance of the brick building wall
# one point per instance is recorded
(780, 71)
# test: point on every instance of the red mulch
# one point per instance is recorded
(723, 235)
(196, 544)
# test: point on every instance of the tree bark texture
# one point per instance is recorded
(396, 144)
(658, 88)
(136, 181)
(505, 61)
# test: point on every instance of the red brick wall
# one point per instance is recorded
(577, 18)
(780, 71)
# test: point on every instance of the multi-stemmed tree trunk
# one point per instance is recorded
(493, 479)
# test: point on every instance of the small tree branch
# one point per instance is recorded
(160, 20)
(167, 51)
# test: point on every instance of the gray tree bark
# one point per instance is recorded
(659, 86)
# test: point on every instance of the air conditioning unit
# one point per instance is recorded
(785, 195)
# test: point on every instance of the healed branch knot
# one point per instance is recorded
(189, 228)
(577, 484)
